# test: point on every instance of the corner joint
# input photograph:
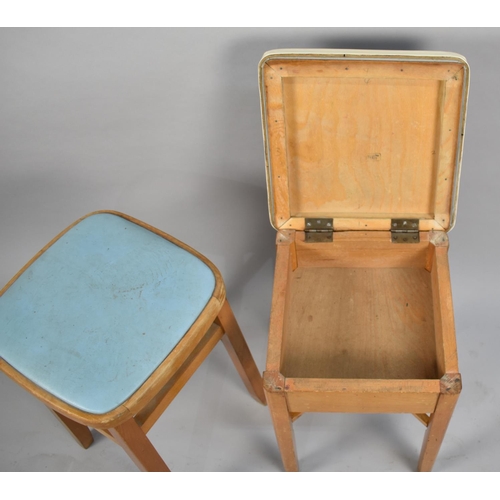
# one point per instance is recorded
(274, 382)
(451, 383)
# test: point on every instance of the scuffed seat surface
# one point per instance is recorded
(96, 314)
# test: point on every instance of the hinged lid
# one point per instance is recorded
(363, 136)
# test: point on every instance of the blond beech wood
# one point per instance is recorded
(336, 68)
(283, 264)
(361, 396)
(138, 447)
(361, 324)
(362, 386)
(356, 402)
(107, 434)
(238, 350)
(353, 249)
(438, 423)
(446, 348)
(123, 424)
(80, 433)
(363, 224)
(353, 329)
(282, 420)
(423, 418)
(277, 177)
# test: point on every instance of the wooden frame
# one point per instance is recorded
(435, 383)
(359, 323)
(128, 424)
(430, 149)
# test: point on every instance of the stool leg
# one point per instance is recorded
(81, 433)
(238, 350)
(436, 430)
(138, 447)
(283, 429)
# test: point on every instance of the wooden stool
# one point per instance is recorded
(107, 323)
(363, 155)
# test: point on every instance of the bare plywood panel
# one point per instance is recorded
(361, 145)
(359, 323)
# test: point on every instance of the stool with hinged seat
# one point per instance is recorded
(363, 153)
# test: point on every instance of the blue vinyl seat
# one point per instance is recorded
(97, 319)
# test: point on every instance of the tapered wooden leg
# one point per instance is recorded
(282, 419)
(81, 433)
(436, 430)
(284, 431)
(238, 350)
(138, 447)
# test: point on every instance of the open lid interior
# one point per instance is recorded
(363, 136)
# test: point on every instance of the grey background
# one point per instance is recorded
(164, 125)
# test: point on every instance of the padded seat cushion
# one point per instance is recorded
(95, 315)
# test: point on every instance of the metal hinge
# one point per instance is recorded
(404, 231)
(319, 230)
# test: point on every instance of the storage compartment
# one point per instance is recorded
(353, 310)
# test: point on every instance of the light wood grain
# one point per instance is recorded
(362, 324)
(358, 332)
(446, 348)
(361, 145)
(422, 418)
(282, 420)
(238, 350)
(450, 119)
(277, 176)
(359, 323)
(280, 287)
(361, 139)
(80, 433)
(138, 447)
(363, 222)
(358, 402)
(362, 386)
(361, 249)
(361, 395)
(436, 430)
(369, 68)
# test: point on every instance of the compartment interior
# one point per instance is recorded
(359, 307)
